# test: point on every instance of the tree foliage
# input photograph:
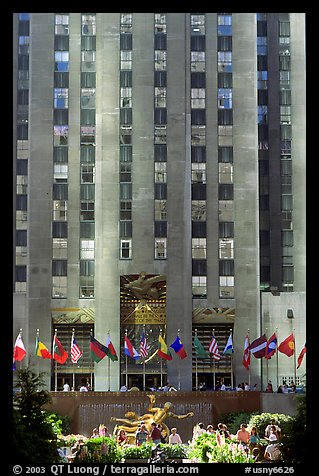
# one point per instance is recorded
(34, 439)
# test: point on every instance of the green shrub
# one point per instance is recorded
(234, 420)
(263, 419)
(137, 452)
(178, 451)
(100, 450)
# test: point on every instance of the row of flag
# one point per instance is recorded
(263, 347)
(260, 347)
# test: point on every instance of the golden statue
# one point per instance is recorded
(157, 415)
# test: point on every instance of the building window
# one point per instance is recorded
(226, 287)
(125, 249)
(60, 248)
(87, 249)
(199, 248)
(160, 248)
(199, 286)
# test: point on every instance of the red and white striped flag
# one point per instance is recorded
(213, 349)
(144, 347)
(76, 352)
(246, 356)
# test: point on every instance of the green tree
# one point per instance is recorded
(34, 439)
(294, 442)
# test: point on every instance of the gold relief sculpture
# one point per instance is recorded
(143, 299)
(144, 288)
(156, 414)
(213, 314)
(84, 315)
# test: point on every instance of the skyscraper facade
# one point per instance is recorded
(159, 166)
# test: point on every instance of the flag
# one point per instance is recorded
(213, 349)
(301, 355)
(129, 349)
(271, 346)
(110, 352)
(258, 347)
(41, 350)
(246, 356)
(98, 350)
(179, 348)
(199, 349)
(163, 350)
(144, 347)
(59, 354)
(19, 351)
(287, 346)
(229, 349)
(76, 353)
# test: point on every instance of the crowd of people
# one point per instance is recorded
(249, 439)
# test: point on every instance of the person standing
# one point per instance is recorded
(174, 438)
(66, 387)
(141, 434)
(155, 433)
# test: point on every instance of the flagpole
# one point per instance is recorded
(126, 379)
(231, 364)
(295, 364)
(214, 366)
(196, 368)
(249, 361)
(73, 372)
(55, 366)
(179, 367)
(91, 366)
(108, 370)
(20, 334)
(38, 360)
(144, 361)
(277, 377)
(161, 364)
(267, 377)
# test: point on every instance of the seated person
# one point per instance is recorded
(272, 451)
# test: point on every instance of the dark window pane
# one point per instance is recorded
(198, 154)
(126, 41)
(226, 267)
(199, 267)
(198, 229)
(160, 191)
(198, 80)
(160, 78)
(21, 238)
(59, 229)
(160, 229)
(198, 191)
(160, 41)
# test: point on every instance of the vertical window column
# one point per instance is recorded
(60, 155)
(286, 163)
(125, 135)
(87, 154)
(198, 154)
(225, 155)
(22, 151)
(160, 129)
(263, 149)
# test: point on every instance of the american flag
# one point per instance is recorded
(213, 349)
(144, 347)
(76, 353)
